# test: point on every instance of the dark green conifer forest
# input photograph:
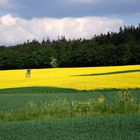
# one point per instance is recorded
(111, 49)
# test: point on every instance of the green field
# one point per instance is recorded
(99, 127)
(124, 127)
(83, 84)
(19, 98)
(99, 103)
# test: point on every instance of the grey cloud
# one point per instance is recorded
(74, 8)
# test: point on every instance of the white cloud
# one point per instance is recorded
(7, 20)
(17, 30)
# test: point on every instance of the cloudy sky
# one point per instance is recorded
(21, 20)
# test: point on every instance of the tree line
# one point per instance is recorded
(111, 49)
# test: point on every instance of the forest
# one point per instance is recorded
(111, 49)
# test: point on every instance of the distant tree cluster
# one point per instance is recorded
(109, 49)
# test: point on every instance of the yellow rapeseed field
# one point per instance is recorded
(95, 77)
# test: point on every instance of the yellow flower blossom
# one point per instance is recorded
(77, 78)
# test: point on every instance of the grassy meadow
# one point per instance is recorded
(96, 103)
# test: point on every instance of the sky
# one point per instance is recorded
(21, 20)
